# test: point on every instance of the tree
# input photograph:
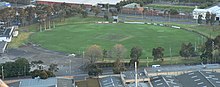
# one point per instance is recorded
(212, 20)
(50, 73)
(84, 13)
(93, 52)
(37, 63)
(93, 70)
(158, 53)
(105, 54)
(96, 10)
(200, 19)
(187, 50)
(173, 12)
(30, 14)
(136, 52)
(118, 66)
(207, 17)
(23, 66)
(20, 67)
(53, 67)
(43, 75)
(217, 41)
(106, 15)
(207, 53)
(119, 51)
(22, 16)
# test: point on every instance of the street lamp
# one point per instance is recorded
(2, 72)
(70, 65)
(17, 15)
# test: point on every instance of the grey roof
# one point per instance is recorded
(14, 84)
(50, 82)
(7, 32)
(158, 81)
(212, 77)
(172, 81)
(131, 75)
(140, 84)
(192, 79)
(111, 81)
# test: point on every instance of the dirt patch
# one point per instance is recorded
(34, 53)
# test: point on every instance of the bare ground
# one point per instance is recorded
(34, 53)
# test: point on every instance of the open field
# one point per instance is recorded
(210, 31)
(75, 35)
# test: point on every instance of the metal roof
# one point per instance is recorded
(192, 79)
(140, 84)
(131, 75)
(111, 81)
(50, 82)
(158, 81)
(91, 2)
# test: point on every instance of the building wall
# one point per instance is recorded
(64, 82)
(52, 3)
(132, 10)
(6, 39)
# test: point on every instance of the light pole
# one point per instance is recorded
(136, 75)
(83, 58)
(3, 73)
(70, 65)
(147, 62)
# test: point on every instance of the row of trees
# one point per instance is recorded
(41, 72)
(20, 67)
(118, 52)
(210, 18)
(43, 14)
(209, 52)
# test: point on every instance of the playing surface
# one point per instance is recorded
(76, 37)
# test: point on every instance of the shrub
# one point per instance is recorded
(173, 12)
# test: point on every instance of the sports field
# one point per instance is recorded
(76, 36)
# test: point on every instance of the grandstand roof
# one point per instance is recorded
(91, 2)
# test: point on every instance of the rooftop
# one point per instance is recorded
(192, 79)
(91, 2)
(50, 82)
(6, 31)
(131, 75)
(111, 81)
(140, 84)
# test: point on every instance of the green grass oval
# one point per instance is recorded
(77, 37)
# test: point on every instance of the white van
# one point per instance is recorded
(155, 66)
